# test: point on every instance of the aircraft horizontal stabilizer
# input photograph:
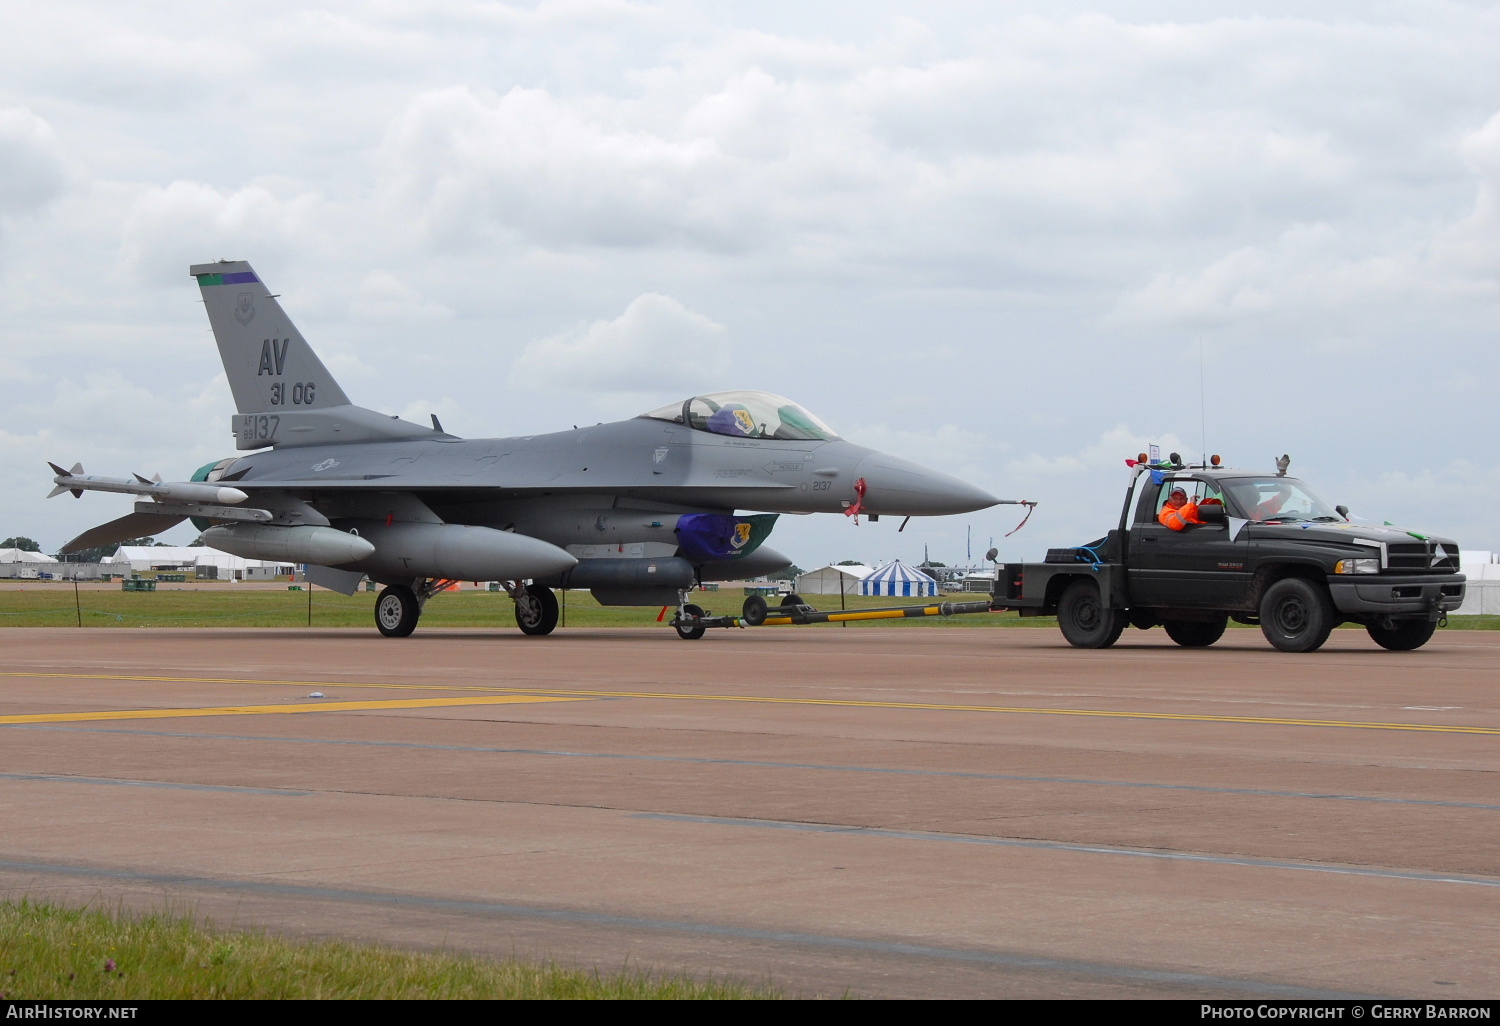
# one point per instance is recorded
(135, 525)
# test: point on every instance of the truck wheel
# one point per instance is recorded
(536, 610)
(1296, 615)
(685, 632)
(1404, 636)
(397, 611)
(1084, 618)
(791, 598)
(1196, 633)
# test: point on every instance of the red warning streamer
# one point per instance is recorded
(859, 500)
(1030, 508)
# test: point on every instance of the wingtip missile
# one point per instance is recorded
(61, 473)
(77, 482)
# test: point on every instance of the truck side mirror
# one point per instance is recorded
(1212, 513)
(1342, 511)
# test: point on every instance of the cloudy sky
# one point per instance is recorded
(1008, 240)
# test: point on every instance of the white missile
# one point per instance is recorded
(322, 546)
(77, 482)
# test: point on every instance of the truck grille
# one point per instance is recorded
(1422, 557)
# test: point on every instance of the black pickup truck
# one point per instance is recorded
(1269, 552)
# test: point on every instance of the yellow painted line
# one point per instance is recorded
(258, 710)
(251, 680)
(1122, 714)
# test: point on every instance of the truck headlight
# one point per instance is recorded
(1357, 566)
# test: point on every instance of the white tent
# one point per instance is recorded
(145, 557)
(22, 556)
(896, 578)
(1482, 595)
(833, 580)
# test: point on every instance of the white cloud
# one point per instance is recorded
(656, 345)
(31, 168)
(171, 227)
(384, 297)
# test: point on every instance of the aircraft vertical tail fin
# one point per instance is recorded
(270, 366)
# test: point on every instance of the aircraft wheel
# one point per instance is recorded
(791, 598)
(685, 632)
(1404, 636)
(1084, 618)
(1296, 615)
(536, 610)
(753, 612)
(397, 611)
(1196, 633)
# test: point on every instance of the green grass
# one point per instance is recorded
(51, 605)
(50, 952)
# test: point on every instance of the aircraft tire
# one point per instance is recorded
(1084, 618)
(1296, 615)
(1196, 633)
(397, 611)
(1404, 636)
(754, 611)
(685, 632)
(536, 610)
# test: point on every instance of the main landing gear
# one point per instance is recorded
(399, 606)
(397, 611)
(536, 609)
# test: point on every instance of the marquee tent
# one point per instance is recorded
(833, 580)
(896, 578)
(22, 556)
(145, 557)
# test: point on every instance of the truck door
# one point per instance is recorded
(1200, 567)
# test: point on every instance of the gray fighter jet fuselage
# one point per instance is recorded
(638, 511)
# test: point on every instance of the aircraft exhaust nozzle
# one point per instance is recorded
(322, 546)
(456, 552)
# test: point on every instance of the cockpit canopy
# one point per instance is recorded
(746, 415)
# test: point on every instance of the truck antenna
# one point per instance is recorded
(1202, 406)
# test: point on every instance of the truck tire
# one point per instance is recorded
(1296, 615)
(1196, 633)
(1404, 636)
(1084, 618)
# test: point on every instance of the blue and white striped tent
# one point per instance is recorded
(896, 578)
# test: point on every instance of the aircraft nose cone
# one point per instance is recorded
(903, 488)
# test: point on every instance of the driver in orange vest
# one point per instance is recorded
(1178, 512)
(1272, 506)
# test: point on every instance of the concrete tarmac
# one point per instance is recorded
(880, 813)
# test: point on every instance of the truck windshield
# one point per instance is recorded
(1279, 500)
(747, 415)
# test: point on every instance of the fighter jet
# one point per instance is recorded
(639, 511)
